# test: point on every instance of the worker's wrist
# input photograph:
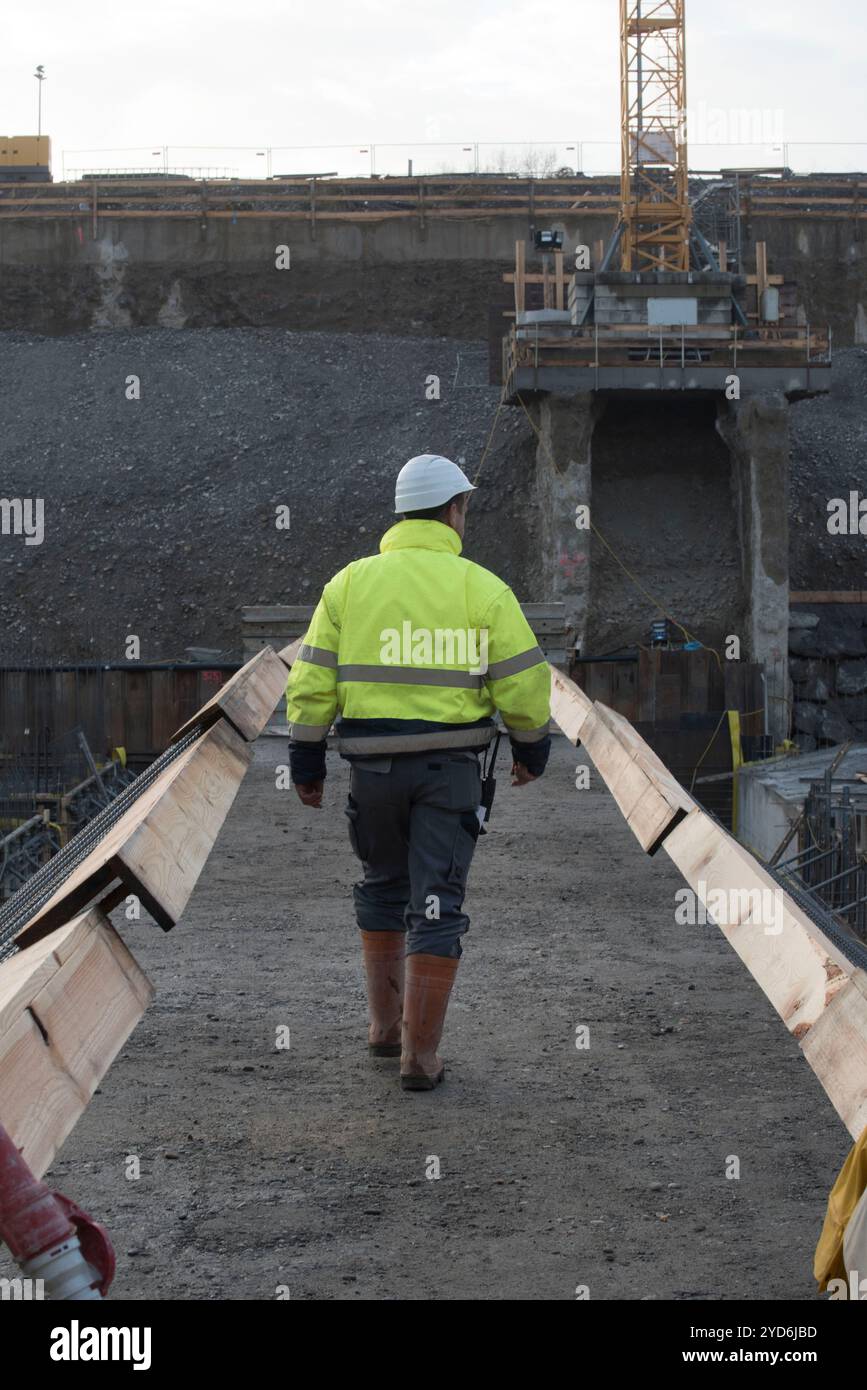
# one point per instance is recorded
(306, 764)
(532, 756)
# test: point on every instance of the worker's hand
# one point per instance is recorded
(520, 775)
(310, 793)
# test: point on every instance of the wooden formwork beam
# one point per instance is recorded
(158, 847)
(288, 655)
(652, 805)
(73, 993)
(67, 1006)
(818, 992)
(247, 699)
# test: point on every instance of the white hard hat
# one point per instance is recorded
(429, 480)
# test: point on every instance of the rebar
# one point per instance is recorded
(38, 890)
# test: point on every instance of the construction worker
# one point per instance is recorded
(416, 649)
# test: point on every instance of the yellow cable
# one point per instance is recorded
(491, 434)
(707, 750)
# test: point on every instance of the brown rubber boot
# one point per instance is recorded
(429, 981)
(384, 969)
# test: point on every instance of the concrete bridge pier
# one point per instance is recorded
(756, 430)
(756, 433)
(563, 484)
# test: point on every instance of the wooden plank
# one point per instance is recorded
(651, 805)
(570, 707)
(25, 972)
(289, 654)
(793, 961)
(162, 859)
(67, 1006)
(645, 807)
(652, 764)
(558, 279)
(820, 996)
(650, 797)
(29, 1073)
(247, 700)
(836, 1049)
(91, 1004)
(211, 766)
(828, 596)
(520, 263)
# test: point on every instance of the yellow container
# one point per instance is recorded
(30, 151)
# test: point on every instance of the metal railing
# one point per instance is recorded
(537, 158)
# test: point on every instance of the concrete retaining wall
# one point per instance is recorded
(402, 274)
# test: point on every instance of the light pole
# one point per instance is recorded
(39, 74)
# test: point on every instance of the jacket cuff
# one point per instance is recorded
(307, 761)
(534, 756)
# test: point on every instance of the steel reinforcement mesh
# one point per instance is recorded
(821, 916)
(38, 890)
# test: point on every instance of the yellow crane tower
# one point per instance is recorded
(655, 213)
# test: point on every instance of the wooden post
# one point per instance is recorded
(520, 263)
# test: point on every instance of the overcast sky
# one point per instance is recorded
(133, 77)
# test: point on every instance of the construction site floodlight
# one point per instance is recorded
(548, 240)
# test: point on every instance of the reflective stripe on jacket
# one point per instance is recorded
(417, 648)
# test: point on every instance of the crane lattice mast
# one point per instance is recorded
(654, 182)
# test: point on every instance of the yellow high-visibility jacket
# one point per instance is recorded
(842, 1247)
(417, 648)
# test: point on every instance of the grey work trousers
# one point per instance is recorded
(413, 825)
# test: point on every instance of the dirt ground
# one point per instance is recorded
(305, 1170)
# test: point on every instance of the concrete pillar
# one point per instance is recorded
(756, 431)
(562, 484)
